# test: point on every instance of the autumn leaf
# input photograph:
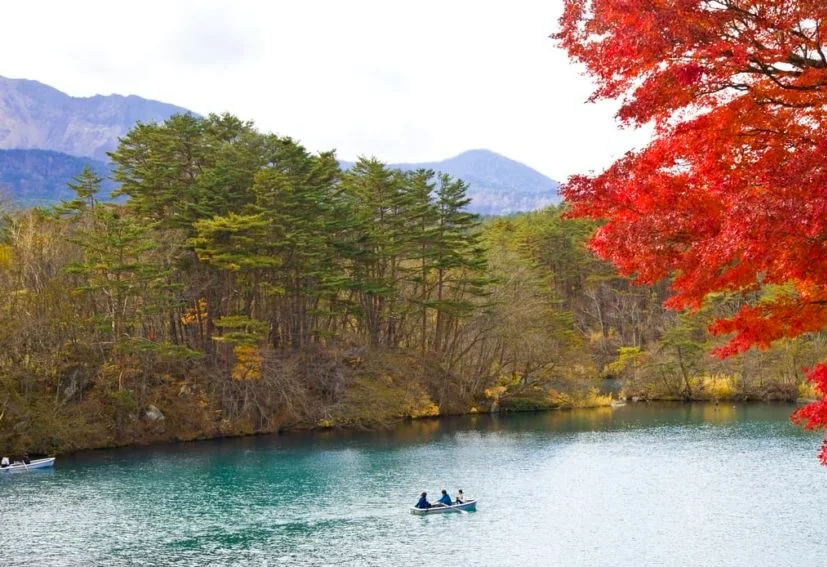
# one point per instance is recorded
(730, 195)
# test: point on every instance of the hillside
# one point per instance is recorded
(38, 177)
(498, 185)
(37, 116)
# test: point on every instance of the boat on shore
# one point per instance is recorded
(33, 465)
(469, 506)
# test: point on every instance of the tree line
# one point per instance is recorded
(240, 283)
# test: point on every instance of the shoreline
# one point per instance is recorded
(315, 429)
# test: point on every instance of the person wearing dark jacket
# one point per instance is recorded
(423, 501)
(445, 500)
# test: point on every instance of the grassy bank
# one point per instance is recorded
(323, 388)
(353, 388)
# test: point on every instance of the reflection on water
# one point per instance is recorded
(642, 484)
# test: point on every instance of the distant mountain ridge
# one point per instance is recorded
(497, 185)
(37, 116)
(47, 136)
(40, 177)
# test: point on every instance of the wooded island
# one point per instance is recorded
(242, 284)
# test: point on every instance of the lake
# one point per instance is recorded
(638, 485)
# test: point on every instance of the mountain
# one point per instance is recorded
(38, 121)
(37, 116)
(39, 177)
(497, 185)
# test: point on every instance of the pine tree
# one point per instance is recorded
(188, 168)
(378, 245)
(86, 187)
(295, 195)
(422, 221)
(116, 275)
(458, 259)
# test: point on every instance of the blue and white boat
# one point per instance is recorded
(33, 465)
(468, 506)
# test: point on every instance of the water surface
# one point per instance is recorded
(637, 485)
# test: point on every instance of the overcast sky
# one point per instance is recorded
(403, 81)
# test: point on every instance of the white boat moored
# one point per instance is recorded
(33, 465)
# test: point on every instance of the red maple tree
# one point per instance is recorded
(731, 193)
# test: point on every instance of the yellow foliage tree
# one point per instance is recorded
(248, 363)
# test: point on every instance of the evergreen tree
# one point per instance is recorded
(458, 259)
(378, 246)
(188, 168)
(86, 187)
(116, 275)
(422, 222)
(295, 196)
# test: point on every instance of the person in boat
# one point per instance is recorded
(460, 497)
(26, 459)
(4, 462)
(423, 501)
(445, 500)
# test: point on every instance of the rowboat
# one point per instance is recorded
(469, 506)
(34, 465)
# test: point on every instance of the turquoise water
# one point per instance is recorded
(637, 485)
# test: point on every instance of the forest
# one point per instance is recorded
(240, 284)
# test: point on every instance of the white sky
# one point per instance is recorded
(412, 81)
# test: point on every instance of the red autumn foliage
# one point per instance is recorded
(731, 193)
(812, 415)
